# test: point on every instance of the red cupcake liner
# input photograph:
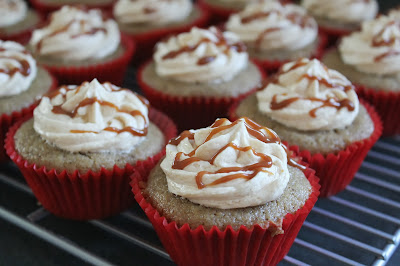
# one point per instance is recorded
(271, 66)
(189, 112)
(112, 70)
(90, 195)
(245, 246)
(333, 34)
(387, 105)
(46, 8)
(336, 170)
(7, 120)
(146, 41)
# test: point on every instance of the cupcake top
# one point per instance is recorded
(92, 117)
(201, 55)
(347, 11)
(17, 68)
(74, 33)
(306, 95)
(269, 26)
(376, 48)
(227, 165)
(152, 12)
(12, 12)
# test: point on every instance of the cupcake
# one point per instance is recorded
(339, 18)
(276, 33)
(195, 76)
(147, 22)
(317, 111)
(22, 83)
(47, 6)
(78, 44)
(17, 21)
(81, 145)
(226, 194)
(370, 59)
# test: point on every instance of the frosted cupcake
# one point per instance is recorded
(276, 33)
(338, 18)
(22, 83)
(83, 143)
(147, 22)
(370, 59)
(221, 186)
(195, 76)
(79, 44)
(317, 110)
(17, 21)
(47, 6)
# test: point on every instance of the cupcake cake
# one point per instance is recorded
(230, 186)
(148, 21)
(17, 21)
(195, 76)
(81, 145)
(47, 6)
(317, 111)
(275, 33)
(370, 60)
(79, 44)
(338, 18)
(22, 83)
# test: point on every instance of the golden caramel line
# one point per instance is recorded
(24, 68)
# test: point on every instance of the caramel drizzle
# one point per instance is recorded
(239, 46)
(24, 68)
(254, 130)
(378, 41)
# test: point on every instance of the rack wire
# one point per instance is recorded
(360, 226)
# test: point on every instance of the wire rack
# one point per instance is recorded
(360, 226)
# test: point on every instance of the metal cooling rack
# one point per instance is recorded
(360, 226)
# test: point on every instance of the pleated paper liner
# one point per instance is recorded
(7, 120)
(46, 8)
(90, 195)
(245, 246)
(387, 105)
(146, 41)
(112, 70)
(189, 112)
(272, 66)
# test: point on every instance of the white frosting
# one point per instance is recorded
(347, 11)
(267, 185)
(376, 48)
(93, 119)
(248, 1)
(272, 25)
(224, 49)
(153, 12)
(76, 34)
(307, 82)
(17, 68)
(12, 12)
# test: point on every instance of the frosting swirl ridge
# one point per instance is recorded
(92, 117)
(12, 12)
(17, 68)
(306, 95)
(227, 165)
(201, 55)
(152, 12)
(76, 34)
(269, 26)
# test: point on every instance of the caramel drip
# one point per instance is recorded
(260, 37)
(184, 135)
(149, 10)
(387, 54)
(258, 15)
(205, 60)
(133, 131)
(329, 84)
(24, 69)
(378, 40)
(283, 104)
(90, 32)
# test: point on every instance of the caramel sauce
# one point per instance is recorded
(24, 69)
(387, 54)
(258, 15)
(206, 60)
(378, 40)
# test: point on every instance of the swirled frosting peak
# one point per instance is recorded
(78, 34)
(376, 48)
(17, 68)
(227, 165)
(152, 12)
(269, 26)
(12, 12)
(201, 55)
(92, 117)
(306, 95)
(347, 11)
